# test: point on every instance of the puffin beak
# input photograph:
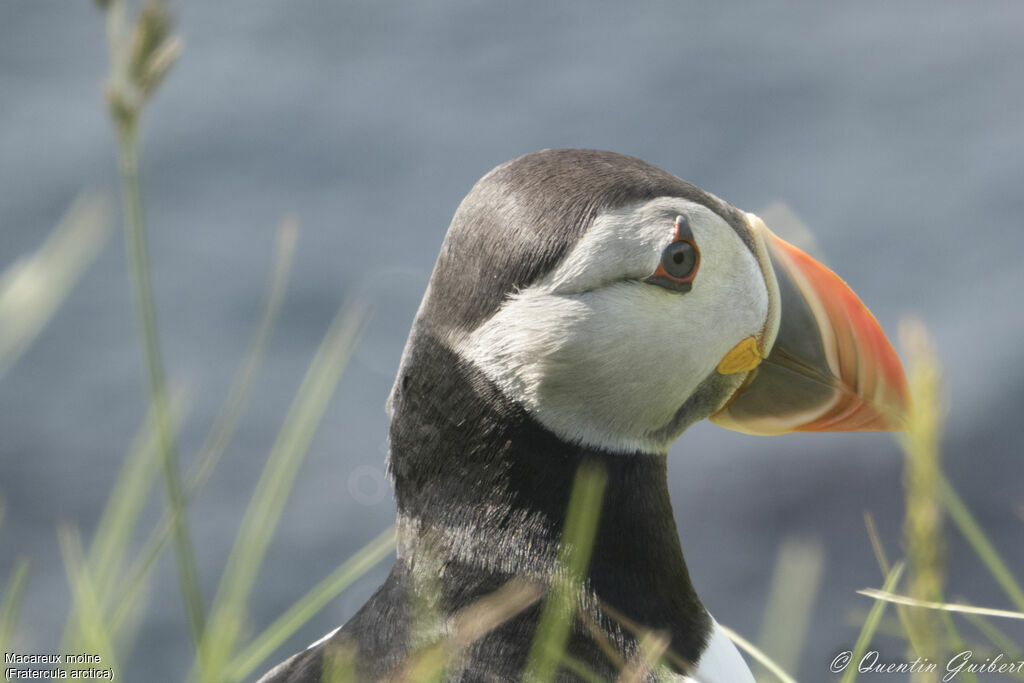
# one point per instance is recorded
(822, 364)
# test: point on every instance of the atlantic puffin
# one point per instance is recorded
(588, 307)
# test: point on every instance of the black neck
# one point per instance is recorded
(477, 472)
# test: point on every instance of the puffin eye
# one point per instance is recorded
(679, 262)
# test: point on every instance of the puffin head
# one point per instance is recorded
(618, 304)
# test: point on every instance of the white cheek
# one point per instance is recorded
(628, 357)
(611, 367)
(633, 356)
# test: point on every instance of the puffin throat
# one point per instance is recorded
(482, 487)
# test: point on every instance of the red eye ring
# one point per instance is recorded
(680, 260)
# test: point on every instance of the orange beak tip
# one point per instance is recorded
(831, 367)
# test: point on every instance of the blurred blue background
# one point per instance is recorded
(894, 130)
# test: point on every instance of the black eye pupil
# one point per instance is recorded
(679, 259)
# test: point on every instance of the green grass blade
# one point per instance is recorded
(11, 606)
(886, 595)
(241, 386)
(135, 73)
(227, 420)
(308, 605)
(90, 633)
(125, 503)
(870, 624)
(759, 656)
(340, 666)
(267, 503)
(468, 625)
(922, 522)
(651, 647)
(883, 565)
(129, 611)
(794, 589)
(577, 543)
(33, 288)
(922, 526)
(110, 543)
(983, 547)
(145, 311)
(579, 668)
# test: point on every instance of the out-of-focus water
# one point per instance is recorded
(893, 129)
